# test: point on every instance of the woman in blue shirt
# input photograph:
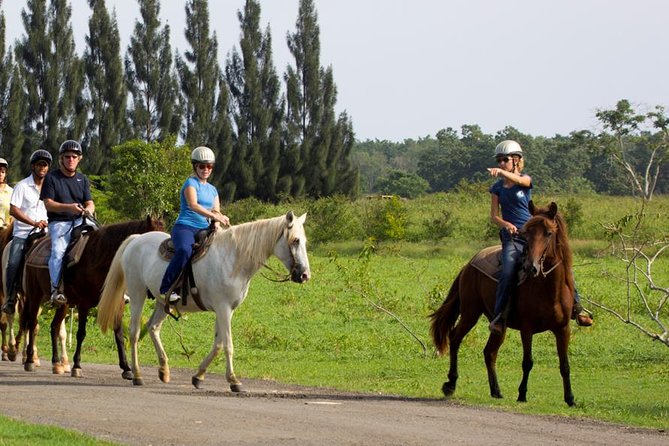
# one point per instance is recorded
(512, 194)
(199, 202)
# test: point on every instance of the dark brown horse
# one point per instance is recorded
(82, 285)
(544, 303)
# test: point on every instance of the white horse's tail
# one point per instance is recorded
(110, 308)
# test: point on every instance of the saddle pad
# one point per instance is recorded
(488, 261)
(38, 256)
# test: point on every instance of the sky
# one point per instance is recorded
(409, 68)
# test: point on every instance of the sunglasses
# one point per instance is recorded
(505, 159)
(205, 166)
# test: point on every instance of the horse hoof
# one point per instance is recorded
(236, 388)
(138, 381)
(126, 375)
(29, 367)
(76, 373)
(66, 368)
(448, 389)
(197, 382)
(5, 357)
(11, 356)
(164, 376)
(57, 369)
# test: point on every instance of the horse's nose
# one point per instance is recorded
(305, 276)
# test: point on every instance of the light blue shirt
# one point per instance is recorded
(206, 194)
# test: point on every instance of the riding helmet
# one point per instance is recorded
(4, 163)
(70, 146)
(41, 155)
(508, 147)
(202, 154)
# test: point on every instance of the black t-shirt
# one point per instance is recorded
(64, 189)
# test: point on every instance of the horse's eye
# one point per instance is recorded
(296, 242)
(549, 233)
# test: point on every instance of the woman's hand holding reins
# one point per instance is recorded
(220, 218)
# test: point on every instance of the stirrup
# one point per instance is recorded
(57, 298)
(497, 325)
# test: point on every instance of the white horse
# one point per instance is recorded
(222, 277)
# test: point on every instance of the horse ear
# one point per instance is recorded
(552, 209)
(533, 210)
(289, 218)
(302, 218)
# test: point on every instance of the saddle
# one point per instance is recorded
(489, 262)
(38, 256)
(186, 280)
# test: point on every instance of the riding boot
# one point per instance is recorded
(582, 317)
(498, 324)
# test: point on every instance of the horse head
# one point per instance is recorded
(542, 232)
(291, 248)
(155, 223)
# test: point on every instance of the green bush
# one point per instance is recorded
(385, 219)
(333, 219)
(248, 209)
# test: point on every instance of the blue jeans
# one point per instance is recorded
(183, 238)
(13, 264)
(61, 233)
(513, 247)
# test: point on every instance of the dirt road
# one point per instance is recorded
(103, 405)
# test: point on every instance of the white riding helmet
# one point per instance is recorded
(4, 163)
(508, 147)
(202, 154)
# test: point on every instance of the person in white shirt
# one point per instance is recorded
(29, 213)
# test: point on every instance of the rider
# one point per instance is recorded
(29, 213)
(5, 195)
(67, 197)
(198, 202)
(512, 193)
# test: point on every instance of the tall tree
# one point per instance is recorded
(223, 142)
(53, 74)
(199, 74)
(14, 133)
(151, 79)
(5, 70)
(257, 109)
(313, 132)
(106, 86)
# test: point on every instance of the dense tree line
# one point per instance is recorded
(272, 140)
(629, 155)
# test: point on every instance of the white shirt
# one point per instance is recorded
(26, 198)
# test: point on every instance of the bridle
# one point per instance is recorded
(543, 258)
(293, 265)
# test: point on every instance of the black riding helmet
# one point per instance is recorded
(70, 146)
(41, 155)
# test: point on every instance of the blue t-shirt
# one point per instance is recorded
(515, 201)
(63, 189)
(206, 194)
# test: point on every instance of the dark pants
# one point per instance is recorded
(183, 238)
(513, 247)
(13, 264)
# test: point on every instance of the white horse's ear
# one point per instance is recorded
(302, 218)
(289, 218)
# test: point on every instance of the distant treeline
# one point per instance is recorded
(625, 158)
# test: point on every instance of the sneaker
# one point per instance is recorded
(173, 299)
(8, 307)
(583, 319)
(497, 325)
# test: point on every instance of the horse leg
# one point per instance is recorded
(135, 328)
(526, 337)
(62, 338)
(455, 339)
(58, 318)
(120, 346)
(222, 341)
(562, 342)
(81, 335)
(5, 345)
(153, 326)
(490, 357)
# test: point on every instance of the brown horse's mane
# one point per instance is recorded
(6, 234)
(561, 240)
(104, 242)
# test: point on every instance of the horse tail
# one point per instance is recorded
(110, 308)
(443, 320)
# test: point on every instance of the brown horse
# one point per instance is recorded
(82, 285)
(544, 303)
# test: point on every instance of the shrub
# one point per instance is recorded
(332, 219)
(385, 219)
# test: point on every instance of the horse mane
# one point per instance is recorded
(6, 234)
(105, 241)
(254, 240)
(562, 248)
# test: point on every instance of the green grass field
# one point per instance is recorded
(327, 332)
